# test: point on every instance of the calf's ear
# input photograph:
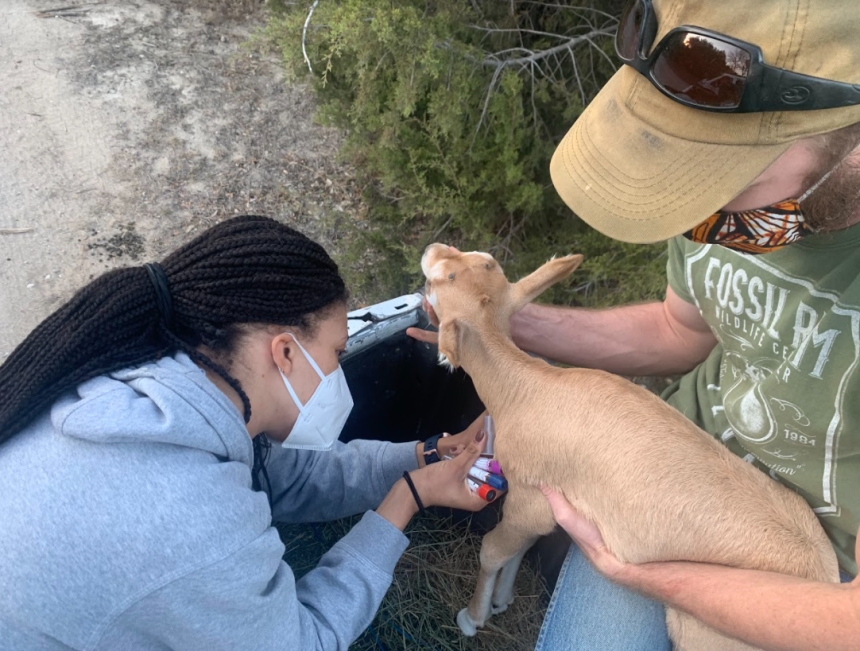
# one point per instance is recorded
(541, 279)
(450, 336)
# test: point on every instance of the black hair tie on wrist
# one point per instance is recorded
(414, 492)
(163, 300)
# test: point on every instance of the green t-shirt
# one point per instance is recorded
(781, 387)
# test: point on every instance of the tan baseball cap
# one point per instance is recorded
(641, 167)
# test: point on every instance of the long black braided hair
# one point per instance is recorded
(246, 270)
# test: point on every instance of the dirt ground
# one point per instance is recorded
(126, 126)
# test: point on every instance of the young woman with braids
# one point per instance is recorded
(128, 422)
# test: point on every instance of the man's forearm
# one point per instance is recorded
(767, 610)
(629, 340)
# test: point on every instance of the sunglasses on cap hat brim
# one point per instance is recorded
(715, 72)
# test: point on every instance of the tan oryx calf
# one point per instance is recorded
(657, 486)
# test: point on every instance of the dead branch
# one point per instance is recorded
(305, 35)
(535, 57)
(533, 60)
(500, 30)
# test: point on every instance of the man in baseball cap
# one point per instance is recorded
(732, 131)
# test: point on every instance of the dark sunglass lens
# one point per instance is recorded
(702, 70)
(627, 36)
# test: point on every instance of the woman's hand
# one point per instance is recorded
(440, 484)
(586, 535)
(444, 483)
(451, 446)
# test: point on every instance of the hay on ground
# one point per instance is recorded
(432, 582)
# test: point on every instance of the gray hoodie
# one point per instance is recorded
(127, 521)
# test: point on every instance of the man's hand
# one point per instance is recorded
(426, 336)
(759, 608)
(586, 535)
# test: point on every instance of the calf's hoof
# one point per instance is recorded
(500, 608)
(466, 624)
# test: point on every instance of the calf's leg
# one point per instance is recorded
(503, 593)
(500, 546)
(526, 516)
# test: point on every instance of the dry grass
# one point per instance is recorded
(433, 580)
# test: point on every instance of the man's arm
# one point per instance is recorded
(767, 610)
(647, 339)
(771, 611)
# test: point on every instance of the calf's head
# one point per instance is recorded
(469, 291)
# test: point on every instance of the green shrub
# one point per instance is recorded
(452, 110)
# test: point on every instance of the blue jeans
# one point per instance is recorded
(590, 613)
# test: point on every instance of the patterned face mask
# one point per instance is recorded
(753, 231)
(757, 231)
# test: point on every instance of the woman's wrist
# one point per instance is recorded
(436, 451)
(444, 445)
(399, 506)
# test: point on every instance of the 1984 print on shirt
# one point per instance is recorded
(781, 387)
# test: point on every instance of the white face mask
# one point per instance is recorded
(322, 418)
